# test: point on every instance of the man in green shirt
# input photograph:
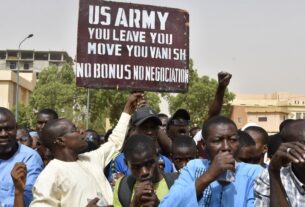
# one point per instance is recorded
(147, 185)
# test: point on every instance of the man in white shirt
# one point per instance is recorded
(74, 179)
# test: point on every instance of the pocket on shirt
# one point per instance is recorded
(6, 189)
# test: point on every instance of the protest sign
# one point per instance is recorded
(132, 46)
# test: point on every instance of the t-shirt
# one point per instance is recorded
(34, 166)
(160, 188)
(236, 194)
(67, 184)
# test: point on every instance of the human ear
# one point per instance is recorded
(60, 141)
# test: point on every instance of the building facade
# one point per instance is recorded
(31, 60)
(267, 110)
(8, 81)
(29, 63)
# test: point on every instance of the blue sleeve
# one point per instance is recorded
(250, 194)
(168, 165)
(34, 166)
(120, 165)
(183, 192)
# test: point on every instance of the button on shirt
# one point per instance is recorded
(295, 190)
(34, 166)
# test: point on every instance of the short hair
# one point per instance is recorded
(183, 141)
(261, 131)
(245, 140)
(139, 144)
(6, 111)
(273, 144)
(284, 123)
(51, 131)
(49, 112)
(215, 120)
(293, 130)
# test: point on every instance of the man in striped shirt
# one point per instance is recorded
(282, 184)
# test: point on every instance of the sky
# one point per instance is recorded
(261, 42)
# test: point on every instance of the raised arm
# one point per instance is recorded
(223, 81)
(105, 153)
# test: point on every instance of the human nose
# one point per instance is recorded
(149, 132)
(144, 172)
(225, 147)
(3, 132)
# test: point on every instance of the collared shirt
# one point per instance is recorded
(34, 166)
(238, 193)
(295, 190)
(73, 184)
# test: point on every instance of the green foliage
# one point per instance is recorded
(115, 100)
(199, 97)
(24, 117)
(56, 89)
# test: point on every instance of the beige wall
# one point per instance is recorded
(273, 120)
(275, 107)
(8, 88)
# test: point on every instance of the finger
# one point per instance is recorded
(19, 165)
(287, 156)
(93, 201)
(297, 154)
(21, 183)
(296, 151)
(228, 77)
(230, 167)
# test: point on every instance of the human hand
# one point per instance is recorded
(134, 99)
(142, 190)
(150, 200)
(115, 177)
(18, 174)
(222, 161)
(286, 153)
(224, 79)
(93, 203)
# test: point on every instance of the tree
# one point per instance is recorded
(110, 103)
(199, 97)
(56, 89)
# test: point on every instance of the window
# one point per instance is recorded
(55, 56)
(41, 56)
(26, 66)
(262, 119)
(2, 55)
(298, 115)
(13, 65)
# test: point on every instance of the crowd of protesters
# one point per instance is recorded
(150, 159)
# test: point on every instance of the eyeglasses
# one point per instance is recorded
(180, 122)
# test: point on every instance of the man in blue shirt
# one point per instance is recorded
(144, 121)
(10, 153)
(219, 181)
